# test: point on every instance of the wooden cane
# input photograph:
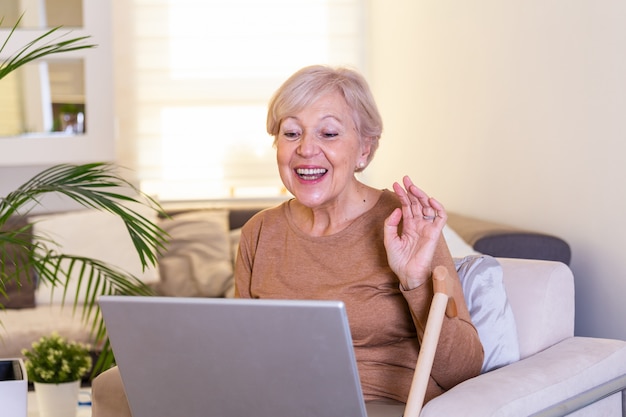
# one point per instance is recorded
(441, 305)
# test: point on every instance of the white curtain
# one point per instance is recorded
(193, 78)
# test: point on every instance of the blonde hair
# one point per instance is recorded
(309, 83)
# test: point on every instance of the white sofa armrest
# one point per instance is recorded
(555, 375)
(541, 295)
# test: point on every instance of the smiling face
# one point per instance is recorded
(318, 150)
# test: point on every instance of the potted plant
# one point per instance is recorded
(56, 367)
(98, 185)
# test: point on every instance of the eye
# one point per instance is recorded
(291, 134)
(329, 134)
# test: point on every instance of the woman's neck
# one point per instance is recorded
(336, 216)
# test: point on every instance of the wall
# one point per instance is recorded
(515, 112)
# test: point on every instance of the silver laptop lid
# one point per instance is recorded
(234, 357)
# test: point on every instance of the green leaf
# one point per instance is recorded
(40, 47)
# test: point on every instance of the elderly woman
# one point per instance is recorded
(340, 239)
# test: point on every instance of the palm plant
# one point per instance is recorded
(38, 48)
(97, 186)
(94, 185)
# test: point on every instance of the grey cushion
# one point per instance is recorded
(525, 246)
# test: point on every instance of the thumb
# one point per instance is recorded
(391, 224)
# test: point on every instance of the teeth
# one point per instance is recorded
(311, 174)
(311, 171)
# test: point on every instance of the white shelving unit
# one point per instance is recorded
(98, 142)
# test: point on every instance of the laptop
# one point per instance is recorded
(198, 357)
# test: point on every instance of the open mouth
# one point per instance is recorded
(311, 174)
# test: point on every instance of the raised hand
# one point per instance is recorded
(410, 251)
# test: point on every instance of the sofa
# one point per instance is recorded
(556, 373)
(550, 373)
(202, 246)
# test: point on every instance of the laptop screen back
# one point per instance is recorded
(233, 357)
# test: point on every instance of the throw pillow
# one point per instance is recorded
(483, 288)
(18, 294)
(94, 234)
(197, 261)
(459, 248)
(234, 236)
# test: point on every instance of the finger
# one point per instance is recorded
(408, 209)
(415, 191)
(423, 200)
(440, 217)
(439, 210)
(416, 196)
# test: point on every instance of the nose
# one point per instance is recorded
(308, 145)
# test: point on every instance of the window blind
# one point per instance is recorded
(194, 78)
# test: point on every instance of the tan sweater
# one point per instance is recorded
(278, 260)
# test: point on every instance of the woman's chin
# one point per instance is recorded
(310, 199)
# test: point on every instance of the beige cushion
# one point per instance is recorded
(541, 294)
(198, 259)
(95, 234)
(458, 247)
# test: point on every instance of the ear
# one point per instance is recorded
(366, 149)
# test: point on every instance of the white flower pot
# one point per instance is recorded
(57, 400)
(13, 388)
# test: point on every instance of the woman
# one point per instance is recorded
(340, 239)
